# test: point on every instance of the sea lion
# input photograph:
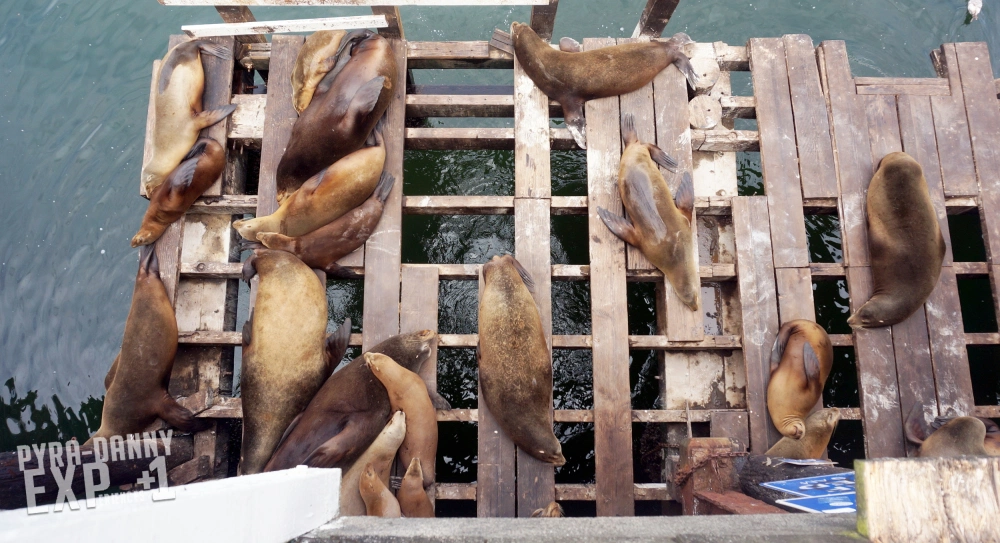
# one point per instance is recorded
(552, 510)
(658, 224)
(287, 354)
(379, 455)
(316, 58)
(408, 393)
(137, 381)
(413, 499)
(169, 201)
(571, 76)
(904, 240)
(379, 501)
(347, 104)
(325, 198)
(323, 247)
(819, 427)
(515, 369)
(350, 409)
(946, 436)
(800, 363)
(179, 118)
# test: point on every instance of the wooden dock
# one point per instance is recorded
(820, 133)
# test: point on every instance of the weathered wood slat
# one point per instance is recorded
(915, 90)
(418, 310)
(952, 129)
(279, 118)
(394, 24)
(795, 294)
(276, 27)
(654, 18)
(812, 124)
(921, 81)
(352, 2)
(240, 14)
(543, 18)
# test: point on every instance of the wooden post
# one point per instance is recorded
(543, 18)
(395, 28)
(655, 17)
(710, 483)
(240, 14)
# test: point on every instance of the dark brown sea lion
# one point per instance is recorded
(169, 201)
(323, 247)
(904, 240)
(379, 455)
(349, 410)
(137, 381)
(515, 369)
(347, 104)
(658, 223)
(316, 58)
(286, 352)
(413, 499)
(571, 77)
(948, 436)
(800, 363)
(180, 83)
(552, 510)
(819, 428)
(379, 501)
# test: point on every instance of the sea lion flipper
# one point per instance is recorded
(336, 346)
(367, 96)
(336, 271)
(573, 115)
(206, 119)
(215, 49)
(525, 276)
(288, 430)
(629, 134)
(661, 158)
(684, 197)
(384, 186)
(148, 262)
(249, 268)
(438, 400)
(916, 429)
(810, 363)
(778, 349)
(333, 451)
(569, 45)
(182, 176)
(619, 226)
(644, 204)
(178, 416)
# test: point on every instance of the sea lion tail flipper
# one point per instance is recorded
(206, 119)
(629, 135)
(684, 197)
(569, 45)
(332, 452)
(336, 345)
(148, 261)
(810, 362)
(367, 96)
(778, 349)
(525, 276)
(178, 416)
(215, 49)
(575, 121)
(249, 268)
(915, 428)
(619, 226)
(384, 186)
(661, 158)
(183, 175)
(197, 149)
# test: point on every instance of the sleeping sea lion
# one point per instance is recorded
(413, 499)
(819, 428)
(515, 369)
(571, 76)
(316, 58)
(946, 436)
(323, 247)
(325, 198)
(350, 409)
(137, 381)
(408, 393)
(800, 363)
(379, 501)
(658, 224)
(905, 242)
(552, 510)
(169, 201)
(180, 82)
(286, 352)
(347, 104)
(379, 455)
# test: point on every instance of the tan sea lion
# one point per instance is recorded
(904, 240)
(571, 76)
(413, 499)
(169, 201)
(379, 455)
(408, 393)
(819, 427)
(658, 224)
(552, 510)
(515, 369)
(347, 104)
(350, 409)
(800, 363)
(316, 58)
(137, 381)
(287, 354)
(323, 247)
(180, 82)
(992, 441)
(324, 198)
(946, 436)
(379, 501)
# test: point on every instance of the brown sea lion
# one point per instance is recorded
(408, 393)
(316, 58)
(946, 436)
(413, 499)
(180, 82)
(800, 363)
(552, 510)
(347, 104)
(137, 381)
(992, 441)
(571, 77)
(658, 224)
(324, 198)
(350, 409)
(379, 501)
(819, 428)
(323, 247)
(287, 354)
(379, 455)
(515, 369)
(904, 240)
(169, 201)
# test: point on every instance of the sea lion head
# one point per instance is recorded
(552, 510)
(992, 442)
(866, 317)
(825, 419)
(960, 436)
(507, 267)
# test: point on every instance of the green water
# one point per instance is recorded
(74, 80)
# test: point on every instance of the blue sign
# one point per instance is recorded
(822, 485)
(840, 503)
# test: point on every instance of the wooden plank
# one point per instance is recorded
(331, 3)
(952, 129)
(456, 54)
(759, 306)
(949, 357)
(383, 254)
(280, 27)
(418, 310)
(240, 14)
(612, 391)
(531, 145)
(924, 81)
(543, 18)
(812, 124)
(394, 23)
(732, 424)
(778, 152)
(279, 117)
(218, 93)
(795, 294)
(883, 126)
(915, 90)
(654, 18)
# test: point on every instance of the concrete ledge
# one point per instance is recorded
(724, 528)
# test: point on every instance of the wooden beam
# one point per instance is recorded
(654, 18)
(281, 27)
(240, 14)
(543, 18)
(353, 3)
(394, 26)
